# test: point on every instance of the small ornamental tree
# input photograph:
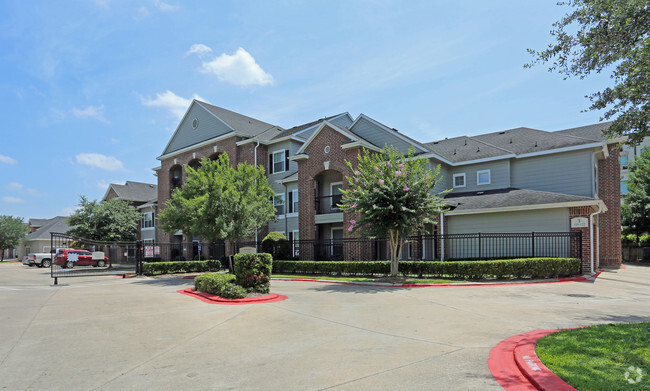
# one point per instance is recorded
(392, 195)
(219, 202)
(12, 230)
(636, 203)
(113, 220)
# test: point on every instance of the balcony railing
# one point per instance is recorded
(328, 204)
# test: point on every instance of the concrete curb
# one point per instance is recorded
(516, 367)
(214, 299)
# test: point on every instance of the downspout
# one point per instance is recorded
(442, 236)
(591, 237)
(256, 233)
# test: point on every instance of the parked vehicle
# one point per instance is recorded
(69, 258)
(38, 259)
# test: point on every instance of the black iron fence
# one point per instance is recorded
(77, 257)
(448, 247)
(183, 251)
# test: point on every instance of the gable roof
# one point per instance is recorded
(134, 191)
(56, 224)
(516, 143)
(344, 131)
(390, 132)
(241, 124)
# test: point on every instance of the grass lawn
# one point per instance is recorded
(368, 279)
(597, 357)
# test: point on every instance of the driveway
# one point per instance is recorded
(110, 333)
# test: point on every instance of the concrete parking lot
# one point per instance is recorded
(108, 333)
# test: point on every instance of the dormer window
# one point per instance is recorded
(483, 177)
(459, 180)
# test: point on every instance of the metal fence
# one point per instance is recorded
(447, 247)
(77, 257)
(183, 251)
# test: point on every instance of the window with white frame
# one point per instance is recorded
(279, 161)
(459, 180)
(294, 238)
(293, 201)
(483, 177)
(148, 220)
(278, 203)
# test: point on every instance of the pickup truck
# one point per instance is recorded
(38, 259)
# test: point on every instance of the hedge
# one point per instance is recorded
(474, 270)
(220, 284)
(152, 269)
(253, 271)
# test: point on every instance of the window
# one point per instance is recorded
(278, 202)
(335, 192)
(459, 180)
(483, 177)
(279, 161)
(294, 238)
(293, 201)
(624, 160)
(148, 220)
(624, 187)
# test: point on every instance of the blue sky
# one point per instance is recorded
(92, 91)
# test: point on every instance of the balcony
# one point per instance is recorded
(328, 204)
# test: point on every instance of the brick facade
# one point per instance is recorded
(609, 191)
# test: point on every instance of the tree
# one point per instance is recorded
(113, 220)
(12, 230)
(392, 196)
(609, 34)
(219, 202)
(636, 203)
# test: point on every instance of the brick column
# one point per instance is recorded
(583, 211)
(609, 191)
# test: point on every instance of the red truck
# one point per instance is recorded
(67, 259)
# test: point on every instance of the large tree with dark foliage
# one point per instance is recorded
(12, 230)
(113, 220)
(636, 203)
(610, 36)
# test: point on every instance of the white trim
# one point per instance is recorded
(300, 156)
(453, 180)
(361, 143)
(270, 142)
(295, 194)
(478, 176)
(322, 125)
(332, 184)
(284, 204)
(560, 150)
(331, 119)
(530, 207)
(431, 155)
(201, 144)
(390, 131)
(485, 160)
(292, 214)
(287, 180)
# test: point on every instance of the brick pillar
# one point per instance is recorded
(583, 211)
(609, 191)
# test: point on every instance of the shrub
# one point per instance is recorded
(276, 244)
(179, 258)
(253, 271)
(220, 284)
(152, 259)
(475, 270)
(154, 268)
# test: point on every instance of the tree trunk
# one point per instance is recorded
(394, 242)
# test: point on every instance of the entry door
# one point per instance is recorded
(337, 243)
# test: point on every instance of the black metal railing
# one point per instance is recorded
(449, 247)
(183, 251)
(328, 204)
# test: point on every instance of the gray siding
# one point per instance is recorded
(566, 173)
(499, 176)
(445, 177)
(209, 127)
(343, 120)
(546, 220)
(293, 147)
(379, 136)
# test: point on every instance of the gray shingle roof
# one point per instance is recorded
(56, 224)
(136, 191)
(510, 197)
(516, 141)
(243, 125)
(37, 222)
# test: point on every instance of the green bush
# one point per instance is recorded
(276, 244)
(220, 284)
(253, 271)
(474, 270)
(179, 258)
(152, 259)
(152, 269)
(633, 239)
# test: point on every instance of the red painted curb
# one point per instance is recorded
(446, 285)
(516, 367)
(214, 299)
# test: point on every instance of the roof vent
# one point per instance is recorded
(502, 132)
(510, 141)
(436, 142)
(478, 149)
(454, 151)
(535, 144)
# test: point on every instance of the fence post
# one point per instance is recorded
(532, 238)
(479, 245)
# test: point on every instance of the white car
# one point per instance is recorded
(38, 259)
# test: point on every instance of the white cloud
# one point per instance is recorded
(161, 5)
(109, 163)
(67, 211)
(13, 200)
(177, 105)
(7, 159)
(90, 112)
(15, 186)
(238, 69)
(199, 48)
